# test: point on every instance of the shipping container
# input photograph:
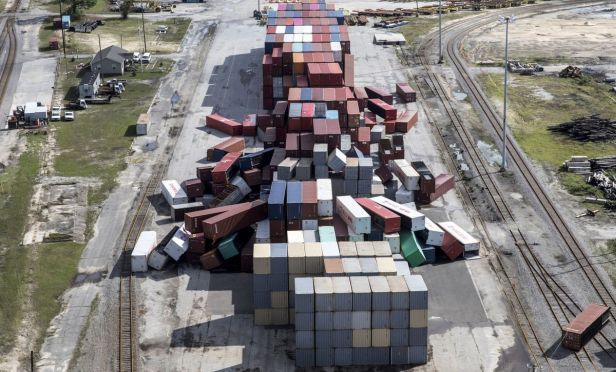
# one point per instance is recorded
(460, 235)
(374, 92)
(139, 255)
(405, 173)
(432, 234)
(411, 249)
(405, 92)
(173, 192)
(585, 326)
(225, 125)
(178, 244)
(226, 168)
(276, 200)
(242, 215)
(309, 208)
(410, 219)
(325, 197)
(382, 109)
(353, 214)
(294, 200)
(233, 144)
(382, 217)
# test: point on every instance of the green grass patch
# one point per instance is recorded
(15, 194)
(422, 25)
(53, 273)
(611, 246)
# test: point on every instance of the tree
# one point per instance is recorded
(125, 8)
(75, 6)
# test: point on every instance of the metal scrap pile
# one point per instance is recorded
(605, 183)
(524, 68)
(570, 72)
(592, 128)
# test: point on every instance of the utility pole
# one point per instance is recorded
(506, 21)
(145, 46)
(62, 28)
(440, 35)
(100, 57)
(417, 8)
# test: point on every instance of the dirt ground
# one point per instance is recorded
(577, 36)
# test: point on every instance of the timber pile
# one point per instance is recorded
(592, 128)
(570, 72)
(578, 164)
(605, 162)
(605, 183)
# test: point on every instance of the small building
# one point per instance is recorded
(143, 123)
(110, 61)
(34, 111)
(389, 38)
(88, 86)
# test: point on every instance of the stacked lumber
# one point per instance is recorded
(591, 128)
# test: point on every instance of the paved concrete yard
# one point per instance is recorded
(192, 319)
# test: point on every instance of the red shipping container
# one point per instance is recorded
(349, 70)
(369, 119)
(196, 243)
(342, 232)
(204, 173)
(301, 81)
(194, 188)
(294, 225)
(309, 200)
(452, 247)
(306, 144)
(210, 260)
(278, 228)
(307, 116)
(243, 215)
(268, 103)
(218, 188)
(390, 126)
(228, 126)
(382, 217)
(320, 130)
(233, 144)
(361, 96)
(264, 120)
(252, 176)
(292, 145)
(405, 92)
(382, 94)
(221, 173)
(353, 114)
(382, 109)
(406, 120)
(249, 125)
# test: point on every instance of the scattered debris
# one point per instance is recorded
(577, 164)
(592, 128)
(570, 72)
(603, 163)
(605, 183)
(589, 213)
(524, 68)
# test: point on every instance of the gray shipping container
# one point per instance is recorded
(279, 282)
(402, 268)
(304, 339)
(351, 169)
(381, 295)
(324, 321)
(343, 320)
(303, 171)
(418, 354)
(321, 171)
(305, 322)
(345, 142)
(337, 187)
(379, 356)
(418, 336)
(324, 294)
(351, 266)
(337, 160)
(324, 357)
(304, 358)
(397, 336)
(365, 168)
(361, 319)
(376, 133)
(364, 187)
(286, 168)
(419, 292)
(361, 356)
(343, 298)
(343, 337)
(399, 293)
(350, 187)
(262, 299)
(399, 355)
(279, 259)
(261, 282)
(399, 319)
(380, 319)
(362, 294)
(320, 154)
(369, 266)
(343, 356)
(294, 200)
(304, 295)
(323, 339)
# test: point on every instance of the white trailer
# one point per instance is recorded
(353, 214)
(139, 256)
(173, 192)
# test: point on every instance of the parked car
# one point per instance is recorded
(56, 113)
(136, 56)
(146, 58)
(69, 116)
(162, 29)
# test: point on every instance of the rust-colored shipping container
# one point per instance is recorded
(406, 120)
(382, 217)
(309, 200)
(349, 70)
(398, 146)
(246, 258)
(278, 228)
(252, 176)
(223, 171)
(361, 96)
(264, 120)
(405, 92)
(223, 124)
(194, 188)
(249, 125)
(210, 260)
(204, 173)
(451, 247)
(374, 92)
(237, 218)
(192, 220)
(279, 113)
(292, 145)
(352, 114)
(382, 109)
(294, 225)
(196, 243)
(585, 326)
(443, 183)
(233, 144)
(390, 126)
(342, 232)
(384, 173)
(369, 119)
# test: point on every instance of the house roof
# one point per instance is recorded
(113, 53)
(89, 77)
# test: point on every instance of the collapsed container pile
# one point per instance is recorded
(324, 214)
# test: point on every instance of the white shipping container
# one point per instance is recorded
(178, 245)
(295, 236)
(394, 242)
(336, 160)
(262, 235)
(470, 244)
(241, 184)
(417, 219)
(173, 192)
(158, 259)
(325, 198)
(345, 142)
(353, 214)
(139, 256)
(405, 173)
(330, 249)
(433, 234)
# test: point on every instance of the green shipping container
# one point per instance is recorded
(327, 234)
(411, 250)
(227, 247)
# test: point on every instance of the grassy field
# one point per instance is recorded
(15, 194)
(126, 33)
(419, 26)
(532, 112)
(96, 143)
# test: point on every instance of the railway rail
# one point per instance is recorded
(562, 307)
(8, 42)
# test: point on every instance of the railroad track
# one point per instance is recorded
(8, 41)
(561, 305)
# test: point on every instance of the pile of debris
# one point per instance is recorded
(577, 164)
(605, 162)
(605, 183)
(592, 128)
(524, 68)
(570, 72)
